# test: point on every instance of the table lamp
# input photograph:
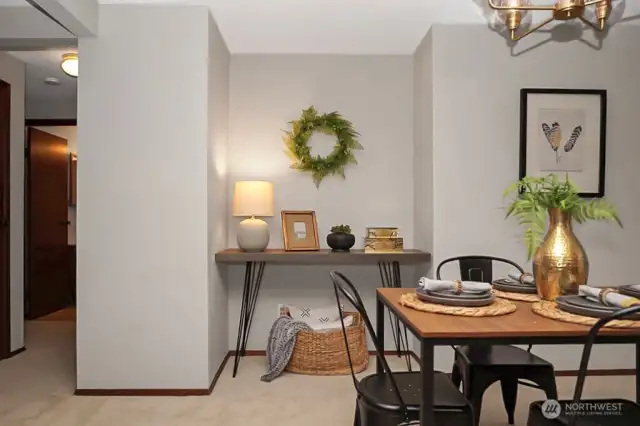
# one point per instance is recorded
(251, 199)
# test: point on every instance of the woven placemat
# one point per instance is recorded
(550, 310)
(497, 308)
(520, 297)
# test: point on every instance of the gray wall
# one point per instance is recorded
(376, 94)
(143, 254)
(217, 194)
(423, 160)
(12, 71)
(476, 84)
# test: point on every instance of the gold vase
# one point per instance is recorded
(560, 264)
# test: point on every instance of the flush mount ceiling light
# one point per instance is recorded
(511, 14)
(69, 64)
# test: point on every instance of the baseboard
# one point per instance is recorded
(16, 352)
(223, 364)
(157, 392)
(574, 373)
(216, 377)
(142, 392)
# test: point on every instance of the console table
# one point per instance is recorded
(388, 264)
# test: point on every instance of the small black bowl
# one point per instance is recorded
(340, 241)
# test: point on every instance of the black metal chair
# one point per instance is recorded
(579, 412)
(478, 367)
(391, 399)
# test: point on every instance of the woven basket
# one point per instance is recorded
(324, 354)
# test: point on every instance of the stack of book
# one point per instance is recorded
(382, 240)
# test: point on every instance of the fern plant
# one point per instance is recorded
(533, 197)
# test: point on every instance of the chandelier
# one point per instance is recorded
(511, 14)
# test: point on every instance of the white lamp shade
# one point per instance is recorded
(253, 198)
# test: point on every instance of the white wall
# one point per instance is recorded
(12, 71)
(142, 246)
(70, 134)
(476, 87)
(45, 107)
(423, 160)
(376, 94)
(217, 194)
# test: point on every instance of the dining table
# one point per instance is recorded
(521, 327)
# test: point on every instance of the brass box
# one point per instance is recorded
(383, 233)
(383, 245)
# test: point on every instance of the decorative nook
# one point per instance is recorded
(560, 261)
(564, 131)
(297, 144)
(300, 230)
(253, 198)
(341, 239)
(383, 240)
(255, 264)
(514, 16)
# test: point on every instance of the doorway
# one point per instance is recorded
(49, 258)
(5, 138)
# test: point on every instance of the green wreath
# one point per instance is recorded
(298, 150)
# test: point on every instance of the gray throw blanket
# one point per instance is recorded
(282, 340)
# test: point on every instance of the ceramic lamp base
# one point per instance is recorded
(253, 235)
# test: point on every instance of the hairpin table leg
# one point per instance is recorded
(252, 279)
(390, 276)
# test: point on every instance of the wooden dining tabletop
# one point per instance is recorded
(522, 323)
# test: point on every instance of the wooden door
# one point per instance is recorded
(5, 139)
(48, 286)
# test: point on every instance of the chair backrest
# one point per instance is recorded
(342, 286)
(586, 352)
(476, 267)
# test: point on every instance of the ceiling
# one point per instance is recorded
(41, 97)
(337, 26)
(299, 26)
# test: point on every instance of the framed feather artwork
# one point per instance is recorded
(563, 131)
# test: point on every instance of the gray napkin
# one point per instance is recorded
(611, 299)
(515, 275)
(467, 286)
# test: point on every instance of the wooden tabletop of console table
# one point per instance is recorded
(522, 323)
(321, 257)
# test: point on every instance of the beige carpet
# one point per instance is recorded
(65, 315)
(36, 389)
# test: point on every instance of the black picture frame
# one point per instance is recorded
(601, 161)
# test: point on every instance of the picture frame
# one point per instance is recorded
(73, 179)
(564, 132)
(300, 230)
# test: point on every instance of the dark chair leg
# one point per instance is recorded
(509, 396)
(476, 403)
(456, 375)
(474, 391)
(547, 383)
(356, 418)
